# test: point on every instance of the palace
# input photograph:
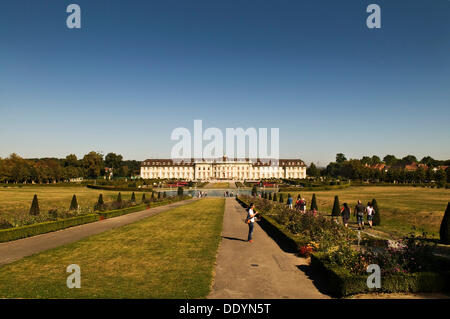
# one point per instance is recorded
(225, 169)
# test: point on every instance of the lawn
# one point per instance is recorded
(17, 201)
(221, 185)
(170, 255)
(402, 208)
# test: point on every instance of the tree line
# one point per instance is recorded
(389, 169)
(15, 169)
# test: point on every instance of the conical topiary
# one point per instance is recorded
(153, 195)
(444, 231)
(143, 197)
(336, 207)
(119, 198)
(254, 191)
(280, 199)
(376, 220)
(180, 191)
(164, 195)
(159, 195)
(314, 203)
(34, 209)
(270, 196)
(133, 198)
(74, 203)
(100, 203)
(275, 197)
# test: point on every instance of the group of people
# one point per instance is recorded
(228, 194)
(359, 211)
(202, 194)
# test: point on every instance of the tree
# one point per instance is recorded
(340, 158)
(314, 203)
(275, 197)
(34, 210)
(119, 198)
(280, 199)
(336, 207)
(143, 198)
(133, 198)
(93, 163)
(114, 161)
(180, 191)
(428, 161)
(100, 203)
(444, 231)
(376, 220)
(409, 159)
(270, 196)
(312, 170)
(74, 203)
(390, 160)
(375, 160)
(71, 160)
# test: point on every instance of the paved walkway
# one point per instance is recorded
(15, 250)
(259, 269)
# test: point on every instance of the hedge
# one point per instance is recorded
(119, 188)
(342, 283)
(45, 227)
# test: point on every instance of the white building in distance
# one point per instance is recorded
(226, 169)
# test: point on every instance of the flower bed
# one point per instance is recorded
(408, 265)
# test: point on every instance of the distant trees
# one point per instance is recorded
(313, 171)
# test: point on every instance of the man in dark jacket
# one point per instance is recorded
(359, 212)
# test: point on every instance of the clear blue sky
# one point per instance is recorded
(138, 69)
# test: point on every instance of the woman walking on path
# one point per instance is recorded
(370, 212)
(345, 213)
(250, 221)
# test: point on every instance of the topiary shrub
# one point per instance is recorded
(336, 207)
(281, 198)
(119, 198)
(254, 191)
(143, 198)
(180, 191)
(444, 231)
(314, 203)
(100, 203)
(159, 195)
(376, 220)
(74, 203)
(275, 197)
(164, 195)
(270, 196)
(133, 198)
(34, 209)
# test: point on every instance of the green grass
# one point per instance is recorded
(15, 201)
(170, 255)
(402, 208)
(221, 185)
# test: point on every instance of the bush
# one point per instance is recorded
(74, 203)
(180, 191)
(314, 203)
(100, 203)
(34, 209)
(45, 227)
(376, 221)
(444, 231)
(336, 207)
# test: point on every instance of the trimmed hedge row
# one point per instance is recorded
(342, 283)
(45, 227)
(119, 189)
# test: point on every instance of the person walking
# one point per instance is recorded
(370, 212)
(303, 205)
(359, 212)
(290, 201)
(250, 221)
(345, 213)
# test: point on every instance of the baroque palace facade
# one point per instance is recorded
(226, 169)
